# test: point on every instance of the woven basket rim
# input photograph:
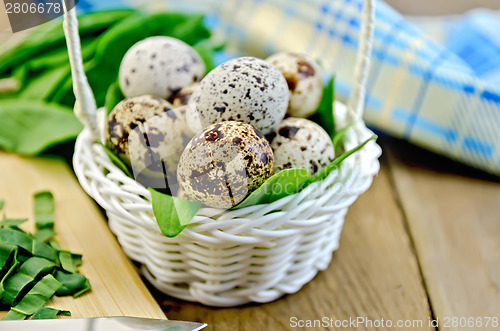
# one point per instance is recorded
(232, 218)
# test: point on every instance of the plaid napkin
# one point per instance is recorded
(444, 96)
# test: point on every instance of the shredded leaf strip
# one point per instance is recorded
(44, 210)
(44, 250)
(14, 315)
(26, 275)
(44, 235)
(46, 313)
(54, 244)
(38, 295)
(15, 237)
(10, 271)
(67, 262)
(77, 259)
(70, 283)
(6, 251)
(86, 287)
(12, 222)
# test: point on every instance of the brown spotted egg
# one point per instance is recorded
(301, 143)
(244, 89)
(149, 135)
(304, 82)
(159, 66)
(223, 163)
(182, 97)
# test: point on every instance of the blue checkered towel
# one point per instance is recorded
(444, 96)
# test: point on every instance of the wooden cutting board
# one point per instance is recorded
(117, 289)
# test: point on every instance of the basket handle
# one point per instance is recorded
(85, 106)
(356, 102)
(86, 109)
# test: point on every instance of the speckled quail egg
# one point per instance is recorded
(223, 163)
(149, 135)
(182, 97)
(159, 66)
(304, 82)
(301, 143)
(244, 89)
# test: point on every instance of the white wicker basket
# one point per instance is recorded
(229, 258)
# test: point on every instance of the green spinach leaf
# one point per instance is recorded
(325, 109)
(113, 96)
(51, 36)
(116, 160)
(336, 163)
(280, 185)
(172, 214)
(29, 127)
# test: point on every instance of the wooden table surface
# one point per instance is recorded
(422, 243)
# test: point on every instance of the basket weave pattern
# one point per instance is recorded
(256, 253)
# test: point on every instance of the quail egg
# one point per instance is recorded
(304, 82)
(301, 143)
(149, 135)
(182, 97)
(159, 66)
(223, 163)
(244, 89)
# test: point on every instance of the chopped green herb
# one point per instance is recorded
(44, 250)
(54, 244)
(13, 288)
(44, 210)
(9, 271)
(6, 251)
(14, 315)
(12, 222)
(71, 283)
(15, 237)
(26, 275)
(38, 295)
(86, 287)
(46, 313)
(77, 259)
(32, 270)
(67, 262)
(44, 235)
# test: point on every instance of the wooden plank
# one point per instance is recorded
(453, 214)
(117, 289)
(374, 274)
